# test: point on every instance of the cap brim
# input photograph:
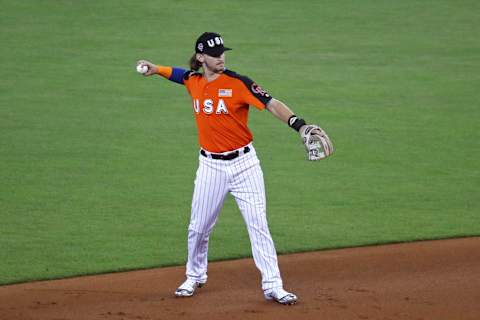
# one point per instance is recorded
(217, 51)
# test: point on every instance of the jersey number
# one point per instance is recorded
(208, 106)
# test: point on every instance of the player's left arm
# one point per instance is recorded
(284, 114)
(317, 143)
(258, 97)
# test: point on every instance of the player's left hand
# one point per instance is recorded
(317, 144)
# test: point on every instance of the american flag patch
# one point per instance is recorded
(224, 92)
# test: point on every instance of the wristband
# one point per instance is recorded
(295, 123)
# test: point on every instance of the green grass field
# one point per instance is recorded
(97, 163)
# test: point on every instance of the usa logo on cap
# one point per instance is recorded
(210, 43)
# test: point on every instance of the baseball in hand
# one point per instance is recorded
(142, 68)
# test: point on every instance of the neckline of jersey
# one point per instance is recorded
(210, 82)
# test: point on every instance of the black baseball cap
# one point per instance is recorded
(210, 43)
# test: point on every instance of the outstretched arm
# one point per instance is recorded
(317, 144)
(284, 114)
(174, 74)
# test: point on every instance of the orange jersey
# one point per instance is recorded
(221, 109)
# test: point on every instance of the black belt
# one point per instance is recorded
(228, 156)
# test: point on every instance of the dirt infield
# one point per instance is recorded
(417, 281)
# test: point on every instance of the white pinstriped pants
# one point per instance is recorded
(243, 178)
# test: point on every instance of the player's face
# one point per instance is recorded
(214, 64)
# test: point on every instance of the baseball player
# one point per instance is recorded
(227, 159)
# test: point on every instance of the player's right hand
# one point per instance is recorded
(152, 69)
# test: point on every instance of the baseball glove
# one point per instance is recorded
(317, 144)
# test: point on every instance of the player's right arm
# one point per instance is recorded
(174, 74)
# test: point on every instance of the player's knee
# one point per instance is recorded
(199, 228)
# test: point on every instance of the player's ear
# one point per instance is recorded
(200, 57)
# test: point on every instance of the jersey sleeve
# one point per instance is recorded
(253, 94)
(177, 75)
(189, 79)
(174, 74)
